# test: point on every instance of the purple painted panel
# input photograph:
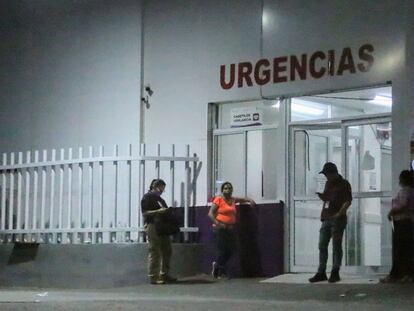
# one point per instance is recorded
(260, 247)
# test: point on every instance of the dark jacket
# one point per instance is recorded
(336, 193)
(150, 202)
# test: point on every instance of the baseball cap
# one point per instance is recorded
(329, 167)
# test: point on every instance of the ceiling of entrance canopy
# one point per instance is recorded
(375, 100)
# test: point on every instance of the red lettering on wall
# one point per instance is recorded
(331, 62)
(298, 67)
(295, 67)
(278, 69)
(312, 65)
(245, 70)
(364, 54)
(346, 62)
(262, 76)
(227, 85)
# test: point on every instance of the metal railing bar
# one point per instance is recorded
(96, 159)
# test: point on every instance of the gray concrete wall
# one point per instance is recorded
(70, 73)
(86, 266)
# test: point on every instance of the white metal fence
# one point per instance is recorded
(93, 197)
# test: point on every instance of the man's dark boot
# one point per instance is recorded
(318, 277)
(334, 277)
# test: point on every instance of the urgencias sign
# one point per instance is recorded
(291, 68)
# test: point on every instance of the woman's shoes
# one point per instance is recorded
(218, 273)
(214, 270)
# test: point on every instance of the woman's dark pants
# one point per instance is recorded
(226, 246)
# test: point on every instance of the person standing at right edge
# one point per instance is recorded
(402, 214)
(337, 198)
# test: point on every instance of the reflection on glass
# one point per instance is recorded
(230, 162)
(313, 148)
(369, 157)
(306, 237)
(368, 233)
(261, 164)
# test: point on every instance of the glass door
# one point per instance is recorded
(361, 149)
(368, 156)
(311, 147)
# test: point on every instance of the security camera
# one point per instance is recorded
(148, 90)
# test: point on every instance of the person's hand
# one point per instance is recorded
(252, 203)
(220, 225)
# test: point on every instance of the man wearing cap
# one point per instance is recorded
(336, 197)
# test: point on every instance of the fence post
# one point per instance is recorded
(19, 195)
(71, 236)
(60, 211)
(186, 193)
(27, 196)
(130, 209)
(3, 195)
(172, 175)
(11, 193)
(35, 190)
(115, 223)
(52, 194)
(90, 235)
(80, 195)
(101, 195)
(43, 196)
(142, 153)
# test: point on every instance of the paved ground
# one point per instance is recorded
(203, 293)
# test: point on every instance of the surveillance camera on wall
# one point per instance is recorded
(148, 90)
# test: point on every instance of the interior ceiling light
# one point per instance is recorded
(382, 100)
(306, 109)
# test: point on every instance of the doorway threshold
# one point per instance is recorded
(302, 278)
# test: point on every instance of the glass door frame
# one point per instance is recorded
(337, 123)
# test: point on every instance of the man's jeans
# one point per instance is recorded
(332, 228)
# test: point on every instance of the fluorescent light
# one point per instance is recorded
(382, 100)
(306, 109)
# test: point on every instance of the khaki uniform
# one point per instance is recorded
(159, 253)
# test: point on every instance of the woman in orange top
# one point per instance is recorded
(223, 214)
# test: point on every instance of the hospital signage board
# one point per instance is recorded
(248, 116)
